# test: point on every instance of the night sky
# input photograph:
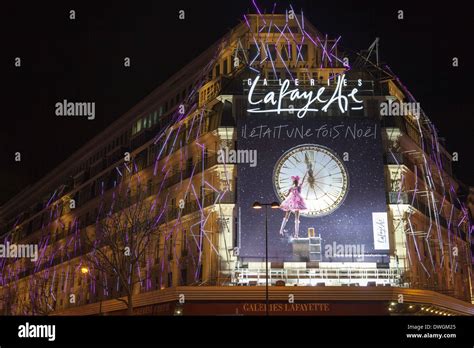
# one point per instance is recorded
(82, 60)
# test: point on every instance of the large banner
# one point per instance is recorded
(327, 175)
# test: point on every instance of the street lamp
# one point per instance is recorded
(85, 270)
(273, 205)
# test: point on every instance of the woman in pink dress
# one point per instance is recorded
(293, 203)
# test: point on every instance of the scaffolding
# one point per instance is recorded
(432, 192)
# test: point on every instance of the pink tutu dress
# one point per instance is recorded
(294, 201)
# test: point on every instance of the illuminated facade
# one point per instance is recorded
(166, 149)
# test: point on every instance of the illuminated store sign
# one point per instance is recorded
(311, 99)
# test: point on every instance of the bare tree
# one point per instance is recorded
(123, 234)
(8, 298)
(8, 286)
(42, 289)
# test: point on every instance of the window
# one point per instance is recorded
(304, 52)
(170, 279)
(286, 52)
(138, 126)
(272, 76)
(184, 243)
(92, 190)
(157, 282)
(184, 276)
(189, 164)
(170, 248)
(271, 52)
(224, 67)
(218, 70)
(149, 187)
(200, 273)
(253, 52)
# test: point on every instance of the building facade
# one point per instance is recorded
(164, 154)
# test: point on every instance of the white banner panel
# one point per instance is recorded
(380, 226)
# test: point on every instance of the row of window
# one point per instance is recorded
(85, 298)
(152, 118)
(302, 76)
(107, 181)
(146, 122)
(285, 52)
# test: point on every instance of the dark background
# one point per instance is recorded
(82, 60)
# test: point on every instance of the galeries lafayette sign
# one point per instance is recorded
(314, 100)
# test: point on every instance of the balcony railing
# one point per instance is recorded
(411, 199)
(316, 276)
(403, 159)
